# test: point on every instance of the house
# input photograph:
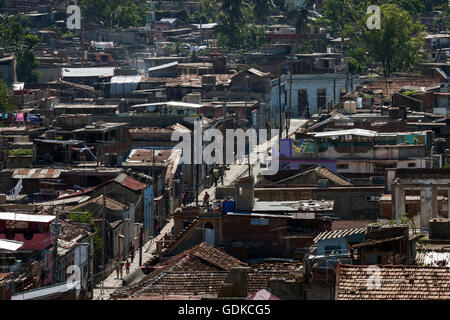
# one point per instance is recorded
(317, 80)
(203, 272)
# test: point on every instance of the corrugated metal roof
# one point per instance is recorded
(10, 245)
(356, 132)
(126, 79)
(338, 234)
(88, 72)
(130, 183)
(163, 66)
(432, 258)
(12, 216)
(36, 173)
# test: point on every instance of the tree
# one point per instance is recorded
(116, 13)
(301, 21)
(262, 10)
(396, 45)
(7, 103)
(26, 61)
(15, 38)
(234, 11)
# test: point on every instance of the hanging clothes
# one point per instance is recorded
(19, 117)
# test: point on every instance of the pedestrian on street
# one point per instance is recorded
(132, 255)
(216, 178)
(127, 267)
(183, 198)
(221, 173)
(121, 269)
(117, 266)
(206, 198)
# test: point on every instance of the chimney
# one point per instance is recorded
(2, 52)
(236, 283)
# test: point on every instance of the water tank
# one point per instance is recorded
(228, 206)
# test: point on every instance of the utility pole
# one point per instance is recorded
(140, 246)
(55, 247)
(279, 107)
(103, 240)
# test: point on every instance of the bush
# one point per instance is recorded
(21, 152)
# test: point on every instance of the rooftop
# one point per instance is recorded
(397, 283)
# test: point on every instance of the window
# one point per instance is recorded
(342, 166)
(372, 198)
(411, 165)
(259, 222)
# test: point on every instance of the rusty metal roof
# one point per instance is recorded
(130, 183)
(36, 174)
(338, 234)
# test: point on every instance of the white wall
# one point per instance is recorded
(312, 82)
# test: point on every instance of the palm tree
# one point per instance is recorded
(234, 10)
(263, 9)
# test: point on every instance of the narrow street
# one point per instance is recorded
(235, 171)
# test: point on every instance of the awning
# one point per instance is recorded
(12, 216)
(10, 245)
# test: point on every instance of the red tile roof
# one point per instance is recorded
(395, 283)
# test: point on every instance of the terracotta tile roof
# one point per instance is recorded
(202, 257)
(201, 271)
(201, 283)
(396, 283)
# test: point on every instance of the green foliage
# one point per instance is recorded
(15, 37)
(87, 217)
(396, 45)
(21, 152)
(116, 13)
(305, 47)
(208, 12)
(7, 103)
(409, 92)
(262, 10)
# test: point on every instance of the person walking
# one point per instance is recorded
(216, 178)
(121, 269)
(206, 198)
(221, 173)
(132, 252)
(117, 266)
(183, 198)
(127, 267)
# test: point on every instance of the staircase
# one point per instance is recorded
(167, 244)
